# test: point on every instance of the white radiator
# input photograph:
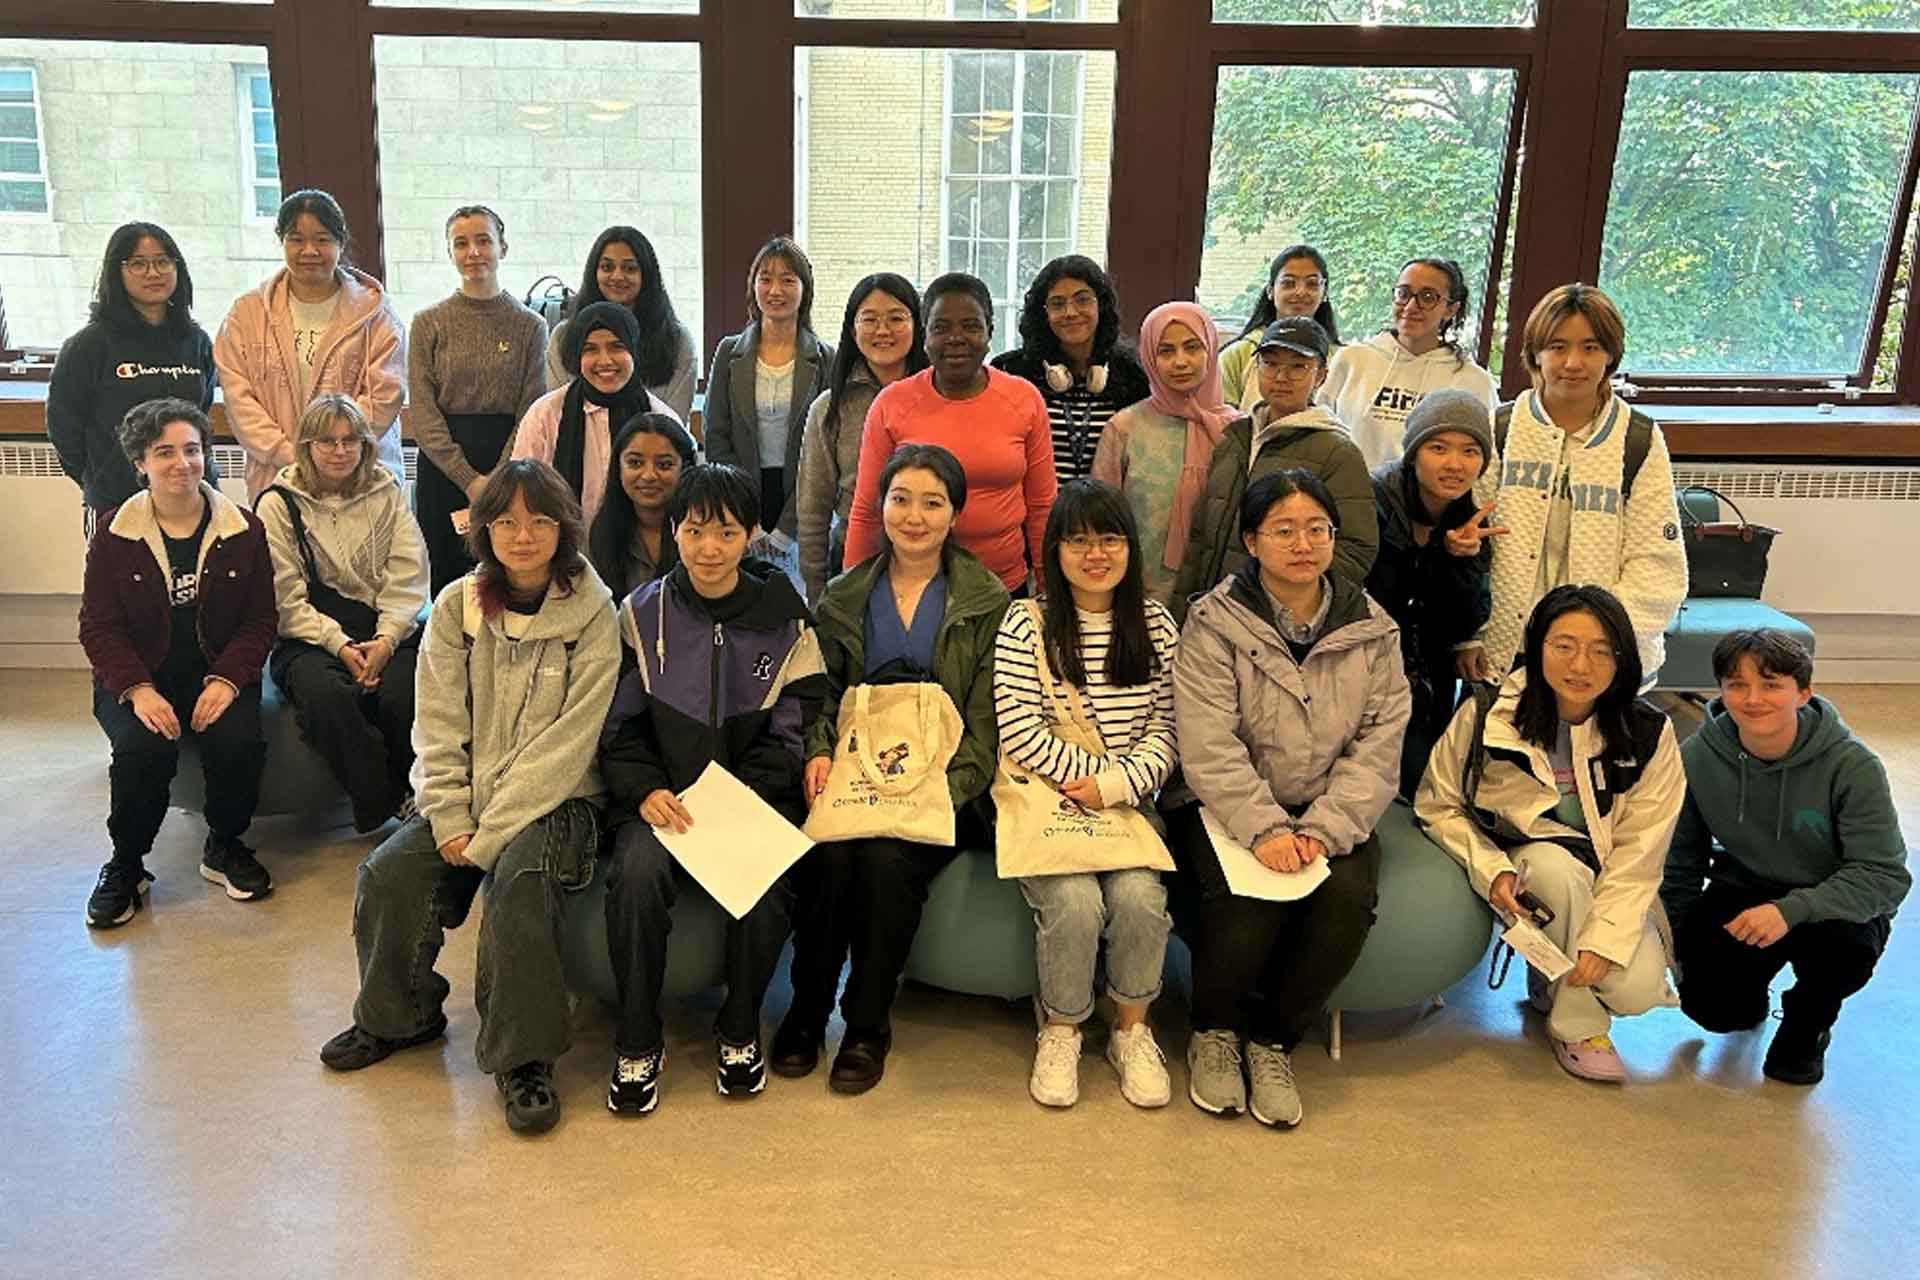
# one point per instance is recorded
(1849, 536)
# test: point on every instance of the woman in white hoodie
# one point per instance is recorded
(349, 580)
(1372, 385)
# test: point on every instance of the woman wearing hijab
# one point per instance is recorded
(572, 428)
(1157, 452)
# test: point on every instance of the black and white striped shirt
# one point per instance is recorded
(1078, 417)
(1135, 721)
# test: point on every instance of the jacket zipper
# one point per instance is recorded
(713, 680)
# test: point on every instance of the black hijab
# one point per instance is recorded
(570, 447)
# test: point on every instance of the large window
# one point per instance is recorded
(1751, 217)
(23, 171)
(1802, 15)
(125, 134)
(603, 6)
(1372, 165)
(261, 151)
(964, 10)
(563, 138)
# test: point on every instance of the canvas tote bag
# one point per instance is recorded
(1042, 832)
(889, 771)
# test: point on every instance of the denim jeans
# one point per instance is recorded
(519, 986)
(1072, 913)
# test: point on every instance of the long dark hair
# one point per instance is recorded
(654, 358)
(611, 536)
(847, 357)
(1091, 507)
(1537, 718)
(545, 494)
(1457, 295)
(112, 307)
(1267, 309)
(1037, 339)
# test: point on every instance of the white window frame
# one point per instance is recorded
(40, 142)
(250, 180)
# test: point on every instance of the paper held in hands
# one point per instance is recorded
(738, 844)
(1248, 877)
(1537, 949)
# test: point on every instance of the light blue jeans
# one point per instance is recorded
(1072, 913)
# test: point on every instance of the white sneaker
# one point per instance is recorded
(1142, 1067)
(1056, 1066)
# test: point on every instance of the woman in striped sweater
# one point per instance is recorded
(1105, 638)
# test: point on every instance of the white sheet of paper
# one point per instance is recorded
(738, 844)
(1248, 877)
(1537, 949)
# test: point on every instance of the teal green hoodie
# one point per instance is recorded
(1817, 825)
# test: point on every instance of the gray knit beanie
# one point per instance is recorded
(1449, 410)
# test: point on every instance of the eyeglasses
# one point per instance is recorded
(1599, 653)
(1287, 284)
(510, 528)
(1081, 301)
(1318, 533)
(1289, 367)
(158, 266)
(868, 322)
(342, 444)
(1081, 543)
(1425, 299)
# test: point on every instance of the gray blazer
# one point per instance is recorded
(729, 423)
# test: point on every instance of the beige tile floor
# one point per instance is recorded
(166, 1115)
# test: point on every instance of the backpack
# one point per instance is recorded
(1474, 767)
(551, 297)
(1639, 442)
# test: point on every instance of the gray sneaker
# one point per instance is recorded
(1276, 1099)
(1214, 1082)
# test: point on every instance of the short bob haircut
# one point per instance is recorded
(1537, 718)
(112, 307)
(1091, 507)
(325, 210)
(960, 282)
(545, 494)
(1037, 338)
(1270, 490)
(146, 422)
(1561, 304)
(478, 211)
(925, 457)
(714, 491)
(321, 414)
(659, 347)
(1267, 308)
(788, 250)
(1774, 652)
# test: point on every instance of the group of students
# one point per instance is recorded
(1262, 613)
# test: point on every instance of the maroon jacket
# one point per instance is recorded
(126, 620)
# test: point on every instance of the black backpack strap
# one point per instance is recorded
(299, 529)
(1474, 767)
(1502, 419)
(1639, 443)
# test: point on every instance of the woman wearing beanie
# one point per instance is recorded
(1431, 573)
(1373, 385)
(1157, 452)
(572, 428)
(1585, 484)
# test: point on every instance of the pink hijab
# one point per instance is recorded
(1204, 408)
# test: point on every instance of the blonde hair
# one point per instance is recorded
(1559, 305)
(321, 414)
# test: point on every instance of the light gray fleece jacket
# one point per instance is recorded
(367, 546)
(508, 711)
(829, 461)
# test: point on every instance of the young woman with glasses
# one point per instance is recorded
(1298, 284)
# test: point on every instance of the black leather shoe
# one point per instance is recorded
(796, 1046)
(1794, 1058)
(861, 1062)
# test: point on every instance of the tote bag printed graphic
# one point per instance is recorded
(1041, 832)
(889, 771)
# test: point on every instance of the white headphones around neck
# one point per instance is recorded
(1060, 378)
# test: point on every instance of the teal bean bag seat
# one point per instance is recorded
(1431, 928)
(1698, 627)
(695, 948)
(976, 934)
(296, 780)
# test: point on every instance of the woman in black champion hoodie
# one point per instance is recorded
(140, 343)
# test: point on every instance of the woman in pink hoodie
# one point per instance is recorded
(317, 325)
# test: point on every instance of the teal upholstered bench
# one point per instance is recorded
(695, 948)
(1698, 627)
(296, 779)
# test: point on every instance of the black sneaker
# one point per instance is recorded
(742, 1070)
(1795, 1058)
(116, 895)
(634, 1088)
(231, 864)
(357, 1047)
(532, 1105)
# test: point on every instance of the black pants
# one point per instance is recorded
(861, 898)
(483, 440)
(1265, 969)
(642, 882)
(232, 754)
(1434, 696)
(365, 738)
(1724, 981)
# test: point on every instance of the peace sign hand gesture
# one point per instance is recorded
(1466, 540)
